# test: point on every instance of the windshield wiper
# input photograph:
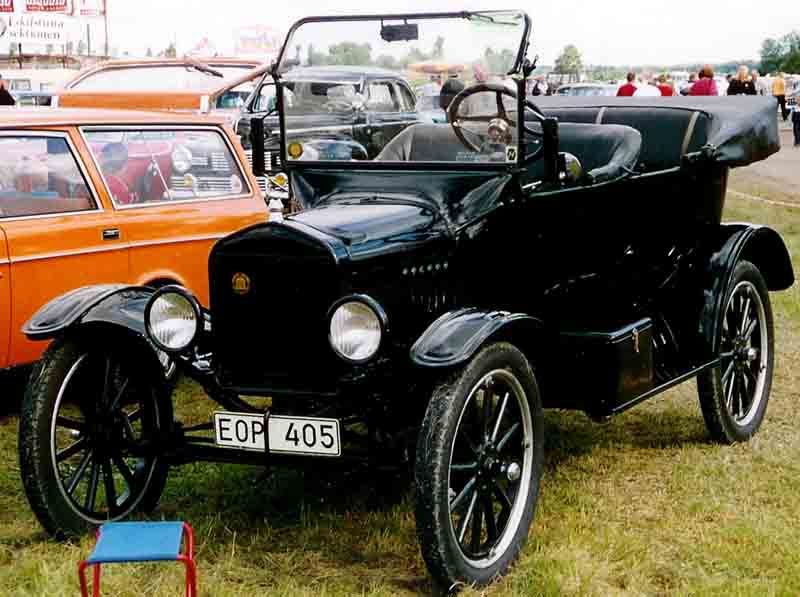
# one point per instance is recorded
(204, 68)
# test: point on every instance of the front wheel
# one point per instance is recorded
(478, 467)
(734, 395)
(88, 417)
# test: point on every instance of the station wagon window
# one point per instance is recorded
(147, 166)
(39, 176)
(159, 78)
(266, 101)
(408, 99)
(382, 98)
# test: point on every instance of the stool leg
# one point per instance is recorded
(82, 578)
(191, 576)
(96, 580)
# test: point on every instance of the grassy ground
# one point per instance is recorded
(642, 505)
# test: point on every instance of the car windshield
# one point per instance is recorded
(362, 68)
(175, 77)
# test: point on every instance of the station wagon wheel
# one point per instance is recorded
(90, 421)
(479, 462)
(734, 395)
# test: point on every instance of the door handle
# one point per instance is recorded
(111, 234)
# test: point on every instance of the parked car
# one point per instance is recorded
(185, 84)
(587, 89)
(360, 109)
(88, 197)
(430, 301)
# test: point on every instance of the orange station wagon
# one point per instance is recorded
(109, 196)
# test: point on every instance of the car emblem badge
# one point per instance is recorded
(240, 283)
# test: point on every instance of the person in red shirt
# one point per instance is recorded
(665, 89)
(706, 84)
(629, 88)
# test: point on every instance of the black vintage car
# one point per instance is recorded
(342, 112)
(429, 302)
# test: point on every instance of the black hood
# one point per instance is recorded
(374, 225)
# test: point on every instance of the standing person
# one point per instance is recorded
(742, 84)
(665, 88)
(688, 85)
(779, 93)
(759, 84)
(6, 99)
(450, 89)
(706, 84)
(432, 87)
(647, 88)
(629, 88)
(796, 124)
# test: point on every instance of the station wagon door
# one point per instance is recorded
(59, 235)
(5, 301)
(387, 114)
(176, 190)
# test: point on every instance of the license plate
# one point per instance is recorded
(287, 435)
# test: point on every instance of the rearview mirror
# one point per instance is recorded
(403, 32)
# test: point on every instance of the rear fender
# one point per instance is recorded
(456, 336)
(114, 304)
(760, 245)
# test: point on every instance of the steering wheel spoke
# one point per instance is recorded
(500, 91)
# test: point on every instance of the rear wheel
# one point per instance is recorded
(734, 395)
(478, 467)
(88, 416)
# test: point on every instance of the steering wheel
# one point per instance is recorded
(457, 122)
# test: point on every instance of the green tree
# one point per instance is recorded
(48, 49)
(498, 63)
(149, 53)
(438, 48)
(772, 55)
(569, 62)
(12, 49)
(350, 53)
(386, 61)
(81, 48)
(170, 52)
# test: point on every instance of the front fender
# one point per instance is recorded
(456, 336)
(105, 303)
(760, 245)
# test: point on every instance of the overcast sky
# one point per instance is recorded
(605, 31)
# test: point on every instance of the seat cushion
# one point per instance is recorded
(667, 132)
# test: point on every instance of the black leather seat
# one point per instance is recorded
(605, 152)
(668, 131)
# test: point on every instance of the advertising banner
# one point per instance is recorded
(257, 40)
(52, 29)
(58, 6)
(90, 8)
(6, 6)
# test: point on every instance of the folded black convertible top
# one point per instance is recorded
(740, 129)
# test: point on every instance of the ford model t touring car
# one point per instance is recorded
(427, 304)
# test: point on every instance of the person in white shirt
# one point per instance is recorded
(759, 84)
(645, 89)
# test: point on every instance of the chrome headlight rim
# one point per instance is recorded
(193, 302)
(377, 310)
(187, 157)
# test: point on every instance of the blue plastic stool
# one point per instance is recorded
(140, 542)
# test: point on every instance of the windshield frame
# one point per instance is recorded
(278, 71)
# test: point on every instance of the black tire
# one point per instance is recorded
(445, 506)
(85, 405)
(734, 395)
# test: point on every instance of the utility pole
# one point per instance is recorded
(105, 21)
(88, 40)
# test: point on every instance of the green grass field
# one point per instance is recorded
(642, 505)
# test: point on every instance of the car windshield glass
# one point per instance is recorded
(339, 73)
(150, 166)
(161, 78)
